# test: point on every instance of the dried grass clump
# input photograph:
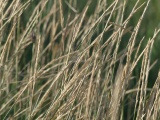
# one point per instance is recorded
(58, 62)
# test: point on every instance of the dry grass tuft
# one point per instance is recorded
(60, 62)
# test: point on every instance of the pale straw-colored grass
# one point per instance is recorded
(58, 61)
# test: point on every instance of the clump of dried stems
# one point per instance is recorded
(71, 65)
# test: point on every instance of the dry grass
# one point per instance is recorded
(59, 65)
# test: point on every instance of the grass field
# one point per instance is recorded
(79, 60)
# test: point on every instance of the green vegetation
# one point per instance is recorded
(79, 60)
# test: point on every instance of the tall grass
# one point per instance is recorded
(61, 61)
